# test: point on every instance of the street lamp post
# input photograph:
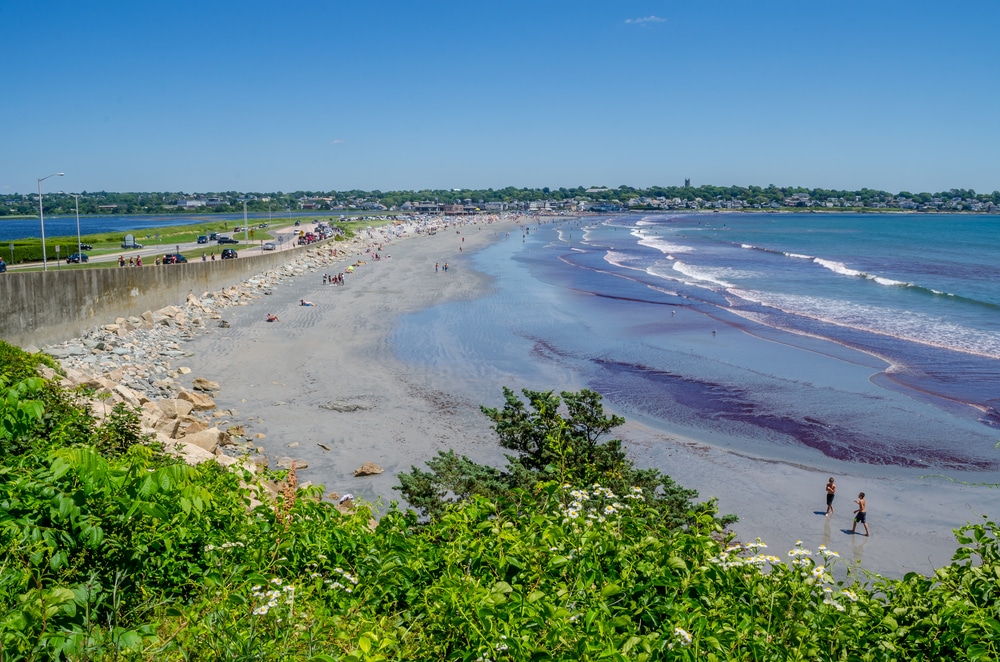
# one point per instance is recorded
(246, 228)
(79, 243)
(41, 216)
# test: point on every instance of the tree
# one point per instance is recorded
(556, 438)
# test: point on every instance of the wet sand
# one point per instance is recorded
(327, 374)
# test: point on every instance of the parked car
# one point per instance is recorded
(78, 258)
(86, 247)
(227, 240)
(269, 246)
(202, 239)
(174, 258)
(228, 254)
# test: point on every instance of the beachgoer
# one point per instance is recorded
(138, 261)
(131, 261)
(272, 318)
(213, 256)
(303, 302)
(121, 260)
(204, 257)
(831, 490)
(157, 260)
(435, 267)
(861, 514)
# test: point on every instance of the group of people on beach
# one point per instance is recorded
(335, 279)
(860, 514)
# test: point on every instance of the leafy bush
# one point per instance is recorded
(123, 553)
(549, 446)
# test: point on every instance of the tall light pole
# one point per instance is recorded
(79, 244)
(246, 228)
(41, 216)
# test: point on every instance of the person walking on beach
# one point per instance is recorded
(831, 491)
(861, 514)
(435, 267)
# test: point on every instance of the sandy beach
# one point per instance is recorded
(323, 386)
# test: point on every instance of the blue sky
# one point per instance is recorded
(329, 94)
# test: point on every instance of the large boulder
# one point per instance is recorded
(368, 469)
(287, 462)
(190, 453)
(199, 401)
(128, 396)
(208, 439)
(189, 425)
(175, 407)
(168, 426)
(202, 384)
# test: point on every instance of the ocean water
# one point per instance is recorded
(821, 339)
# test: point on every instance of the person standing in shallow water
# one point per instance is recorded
(861, 514)
(831, 491)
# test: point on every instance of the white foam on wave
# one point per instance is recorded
(705, 274)
(623, 260)
(904, 325)
(844, 270)
(799, 256)
(661, 244)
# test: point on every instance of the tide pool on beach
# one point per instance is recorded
(756, 355)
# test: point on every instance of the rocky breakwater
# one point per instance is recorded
(137, 361)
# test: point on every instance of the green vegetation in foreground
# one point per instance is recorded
(112, 550)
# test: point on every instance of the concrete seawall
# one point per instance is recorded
(48, 307)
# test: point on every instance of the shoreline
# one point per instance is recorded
(323, 387)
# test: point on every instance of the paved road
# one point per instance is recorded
(149, 253)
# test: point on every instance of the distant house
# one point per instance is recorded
(190, 203)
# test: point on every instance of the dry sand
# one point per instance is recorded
(293, 380)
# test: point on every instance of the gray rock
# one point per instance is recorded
(286, 463)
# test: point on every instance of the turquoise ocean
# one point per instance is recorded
(870, 339)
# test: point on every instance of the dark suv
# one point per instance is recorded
(174, 258)
(227, 240)
(228, 254)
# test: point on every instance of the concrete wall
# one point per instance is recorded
(46, 307)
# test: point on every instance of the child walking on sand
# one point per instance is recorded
(831, 491)
(861, 515)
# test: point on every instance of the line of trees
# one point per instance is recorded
(232, 201)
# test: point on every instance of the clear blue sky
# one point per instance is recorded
(336, 94)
